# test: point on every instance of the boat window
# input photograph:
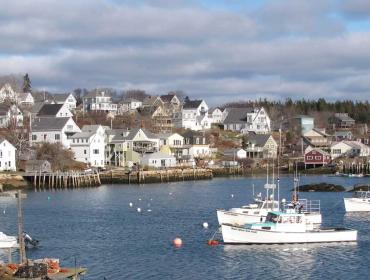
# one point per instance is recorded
(272, 218)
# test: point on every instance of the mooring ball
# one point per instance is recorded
(205, 225)
(177, 242)
(139, 210)
(131, 204)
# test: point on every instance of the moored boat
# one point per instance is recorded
(360, 202)
(7, 241)
(281, 227)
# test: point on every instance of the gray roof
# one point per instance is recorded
(342, 133)
(49, 110)
(83, 134)
(237, 115)
(4, 109)
(258, 139)
(49, 123)
(192, 104)
(36, 107)
(158, 155)
(61, 97)
(41, 96)
(167, 97)
(344, 117)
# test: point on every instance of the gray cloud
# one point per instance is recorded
(282, 49)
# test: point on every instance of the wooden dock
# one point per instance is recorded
(68, 273)
(156, 176)
(62, 180)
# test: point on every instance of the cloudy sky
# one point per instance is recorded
(220, 50)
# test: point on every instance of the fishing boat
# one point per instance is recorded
(7, 241)
(282, 227)
(250, 213)
(257, 211)
(360, 202)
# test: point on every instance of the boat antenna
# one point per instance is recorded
(267, 181)
(253, 189)
(273, 182)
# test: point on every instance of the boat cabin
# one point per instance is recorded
(254, 208)
(282, 221)
(362, 194)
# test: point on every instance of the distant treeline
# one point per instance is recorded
(358, 110)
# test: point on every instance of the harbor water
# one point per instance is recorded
(97, 229)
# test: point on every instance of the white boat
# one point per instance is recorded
(7, 241)
(257, 212)
(360, 202)
(281, 228)
(251, 213)
(360, 175)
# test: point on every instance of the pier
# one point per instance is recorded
(155, 176)
(62, 180)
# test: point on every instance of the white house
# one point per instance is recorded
(53, 130)
(247, 120)
(349, 148)
(194, 116)
(158, 160)
(99, 101)
(132, 104)
(196, 145)
(8, 94)
(235, 153)
(89, 145)
(216, 114)
(7, 156)
(55, 110)
(66, 98)
(173, 141)
(25, 99)
(10, 114)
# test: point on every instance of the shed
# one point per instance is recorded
(158, 160)
(43, 166)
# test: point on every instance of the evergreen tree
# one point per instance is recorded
(26, 83)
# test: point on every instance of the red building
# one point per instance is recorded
(316, 157)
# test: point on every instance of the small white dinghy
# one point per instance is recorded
(360, 202)
(7, 241)
(281, 228)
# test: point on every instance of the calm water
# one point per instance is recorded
(100, 230)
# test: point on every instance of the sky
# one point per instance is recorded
(218, 50)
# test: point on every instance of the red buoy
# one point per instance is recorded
(177, 242)
(212, 242)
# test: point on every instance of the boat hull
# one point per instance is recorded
(239, 219)
(229, 217)
(8, 242)
(357, 204)
(239, 235)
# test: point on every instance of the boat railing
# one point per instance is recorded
(303, 206)
(362, 194)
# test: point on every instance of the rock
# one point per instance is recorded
(360, 187)
(321, 187)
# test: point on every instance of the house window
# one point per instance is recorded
(95, 151)
(197, 140)
(34, 137)
(85, 152)
(1, 154)
(318, 157)
(44, 137)
(309, 157)
(57, 136)
(69, 127)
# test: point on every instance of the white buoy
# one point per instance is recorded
(232, 195)
(131, 204)
(205, 225)
(138, 210)
(149, 210)
(170, 193)
(139, 199)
